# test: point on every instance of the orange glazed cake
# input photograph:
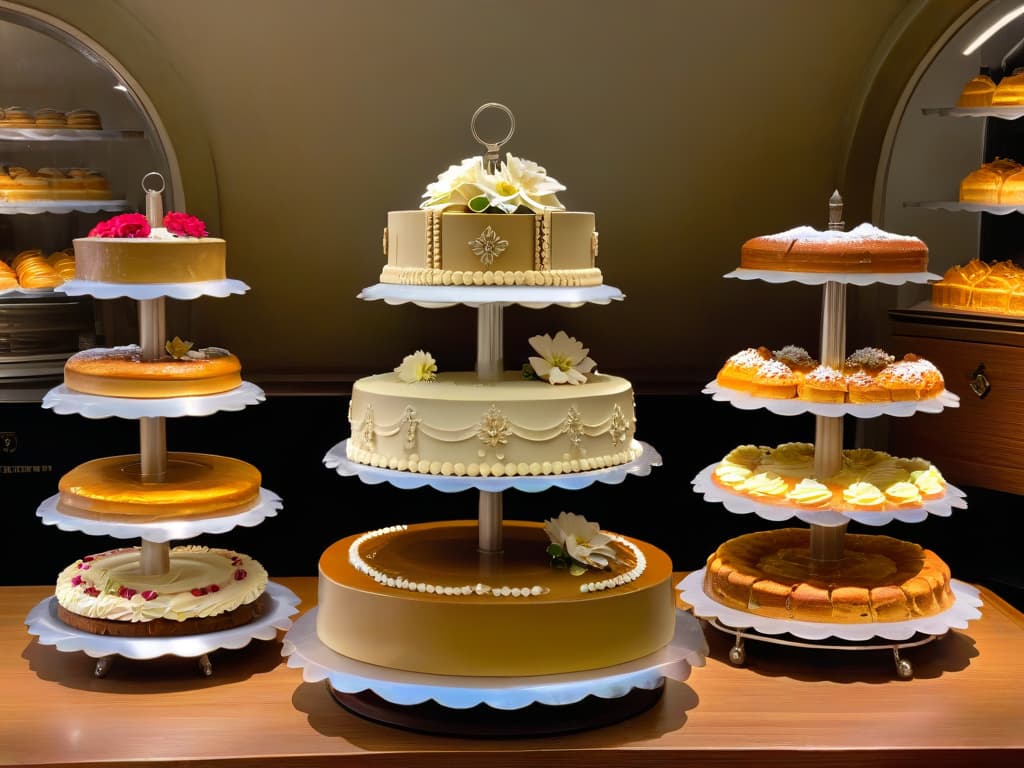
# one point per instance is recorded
(440, 606)
(879, 579)
(1009, 91)
(196, 485)
(203, 590)
(863, 249)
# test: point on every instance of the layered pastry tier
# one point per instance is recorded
(122, 372)
(159, 258)
(863, 249)
(435, 247)
(423, 598)
(878, 579)
(867, 480)
(459, 424)
(20, 184)
(195, 485)
(203, 590)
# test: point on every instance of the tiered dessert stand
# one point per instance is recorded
(494, 705)
(155, 537)
(828, 527)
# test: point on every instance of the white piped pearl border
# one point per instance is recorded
(617, 581)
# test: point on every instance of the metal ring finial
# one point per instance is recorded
(157, 174)
(492, 147)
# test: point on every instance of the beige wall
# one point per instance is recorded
(687, 127)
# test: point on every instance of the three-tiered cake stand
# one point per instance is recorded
(156, 536)
(828, 527)
(497, 706)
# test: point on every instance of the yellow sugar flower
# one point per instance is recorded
(177, 348)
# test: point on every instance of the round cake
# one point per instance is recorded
(204, 590)
(121, 372)
(863, 249)
(195, 485)
(423, 598)
(458, 424)
(880, 578)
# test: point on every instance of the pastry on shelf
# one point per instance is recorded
(125, 249)
(183, 371)
(45, 184)
(879, 578)
(64, 262)
(977, 92)
(1009, 91)
(984, 185)
(555, 416)
(84, 119)
(979, 286)
(8, 277)
(504, 226)
(863, 249)
(16, 117)
(34, 271)
(867, 480)
(48, 117)
(203, 590)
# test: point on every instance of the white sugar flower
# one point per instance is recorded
(419, 366)
(562, 359)
(516, 182)
(524, 182)
(456, 186)
(580, 540)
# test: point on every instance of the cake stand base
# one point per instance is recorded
(483, 721)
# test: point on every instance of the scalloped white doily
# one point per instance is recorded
(966, 607)
(337, 459)
(42, 621)
(688, 648)
(65, 401)
(820, 278)
(164, 530)
(740, 504)
(795, 406)
(532, 296)
(955, 205)
(63, 206)
(143, 291)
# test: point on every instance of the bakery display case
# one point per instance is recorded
(74, 139)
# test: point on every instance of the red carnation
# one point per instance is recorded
(125, 225)
(184, 225)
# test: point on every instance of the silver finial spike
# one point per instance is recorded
(493, 148)
(835, 213)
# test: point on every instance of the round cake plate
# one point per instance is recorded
(494, 705)
(42, 621)
(146, 291)
(794, 406)
(337, 459)
(164, 530)
(820, 278)
(532, 296)
(67, 401)
(744, 505)
(966, 607)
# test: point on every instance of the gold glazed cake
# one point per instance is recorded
(863, 249)
(203, 590)
(432, 603)
(879, 579)
(417, 420)
(125, 249)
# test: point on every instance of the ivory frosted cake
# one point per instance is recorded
(431, 602)
(203, 590)
(879, 578)
(417, 420)
(125, 249)
(497, 226)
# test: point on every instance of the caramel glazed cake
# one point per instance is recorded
(505, 227)
(204, 590)
(439, 606)
(879, 579)
(159, 258)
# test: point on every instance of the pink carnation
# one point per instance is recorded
(184, 225)
(125, 225)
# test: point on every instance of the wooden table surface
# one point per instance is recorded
(784, 707)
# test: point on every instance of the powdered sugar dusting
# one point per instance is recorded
(774, 369)
(825, 374)
(860, 233)
(102, 353)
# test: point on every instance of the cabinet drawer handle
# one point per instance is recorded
(980, 384)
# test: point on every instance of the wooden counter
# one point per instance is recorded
(785, 707)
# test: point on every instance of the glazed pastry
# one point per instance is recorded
(17, 117)
(739, 369)
(775, 380)
(63, 262)
(8, 277)
(84, 119)
(1009, 92)
(984, 184)
(823, 385)
(977, 92)
(34, 271)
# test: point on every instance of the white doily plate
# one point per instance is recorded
(532, 296)
(162, 531)
(303, 648)
(337, 459)
(954, 205)
(42, 621)
(66, 401)
(795, 406)
(744, 505)
(63, 206)
(820, 278)
(966, 607)
(144, 291)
